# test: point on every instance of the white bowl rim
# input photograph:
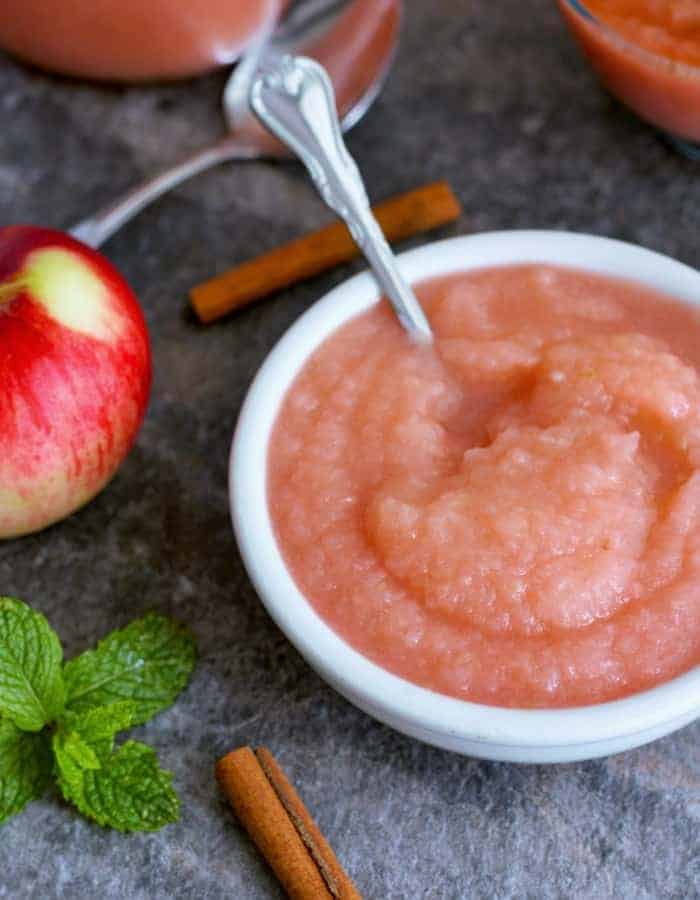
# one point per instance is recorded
(353, 674)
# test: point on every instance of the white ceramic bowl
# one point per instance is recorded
(518, 735)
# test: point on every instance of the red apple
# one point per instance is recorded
(75, 375)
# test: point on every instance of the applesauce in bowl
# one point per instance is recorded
(647, 52)
(491, 543)
(133, 40)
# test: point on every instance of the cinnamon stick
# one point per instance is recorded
(280, 825)
(400, 217)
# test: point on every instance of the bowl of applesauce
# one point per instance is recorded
(647, 52)
(492, 543)
(133, 40)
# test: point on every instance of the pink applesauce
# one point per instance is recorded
(513, 516)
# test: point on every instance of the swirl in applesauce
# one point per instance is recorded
(513, 517)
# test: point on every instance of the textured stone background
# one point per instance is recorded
(494, 97)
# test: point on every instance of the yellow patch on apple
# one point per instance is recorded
(21, 513)
(13, 513)
(70, 292)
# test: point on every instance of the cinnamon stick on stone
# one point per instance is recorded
(401, 217)
(280, 825)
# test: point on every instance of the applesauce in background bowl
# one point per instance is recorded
(647, 52)
(543, 441)
(133, 40)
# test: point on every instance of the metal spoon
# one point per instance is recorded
(355, 39)
(293, 96)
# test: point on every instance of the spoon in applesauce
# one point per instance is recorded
(293, 96)
(354, 39)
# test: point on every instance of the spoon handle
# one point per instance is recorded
(101, 226)
(293, 97)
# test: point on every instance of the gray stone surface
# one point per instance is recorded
(493, 97)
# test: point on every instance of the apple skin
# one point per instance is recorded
(75, 375)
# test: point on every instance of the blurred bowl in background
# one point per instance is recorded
(662, 90)
(133, 40)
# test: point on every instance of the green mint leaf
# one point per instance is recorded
(80, 752)
(31, 684)
(73, 758)
(101, 723)
(25, 768)
(129, 792)
(149, 662)
(84, 741)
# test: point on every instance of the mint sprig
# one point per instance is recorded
(62, 720)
